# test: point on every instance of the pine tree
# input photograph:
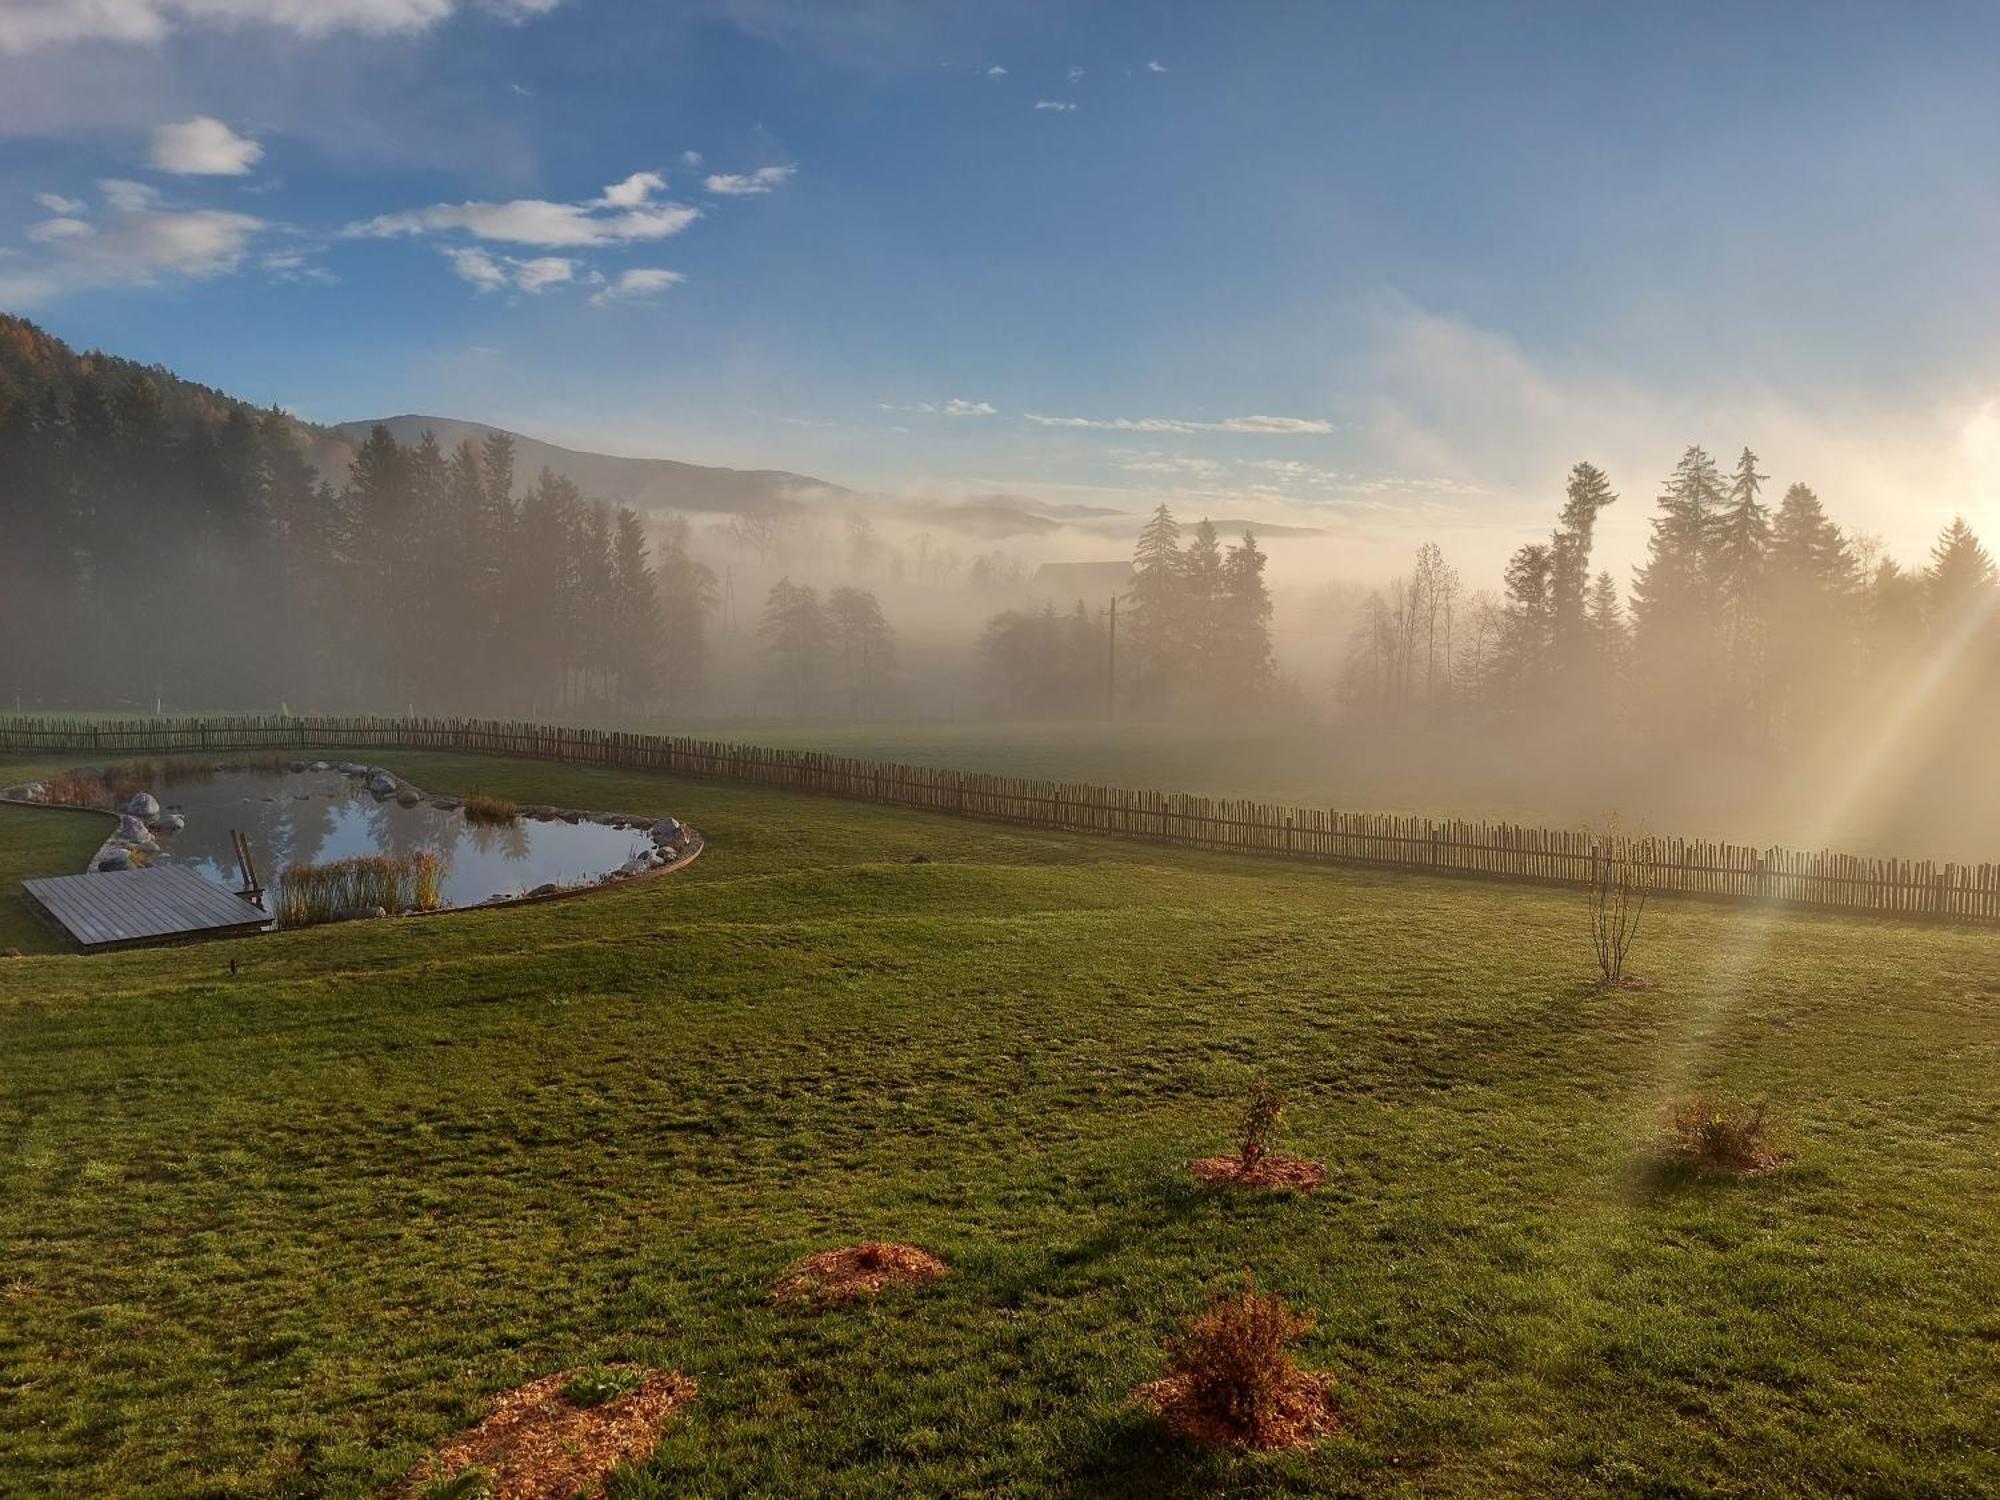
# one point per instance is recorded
(687, 593)
(1526, 627)
(1155, 615)
(1676, 639)
(1243, 623)
(636, 645)
(1198, 664)
(1960, 577)
(1570, 640)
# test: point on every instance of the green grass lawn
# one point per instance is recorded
(276, 1233)
(38, 841)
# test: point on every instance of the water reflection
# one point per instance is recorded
(309, 817)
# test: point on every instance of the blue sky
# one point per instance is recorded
(1439, 251)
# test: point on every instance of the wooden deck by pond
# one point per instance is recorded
(159, 904)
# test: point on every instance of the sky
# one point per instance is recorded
(1383, 269)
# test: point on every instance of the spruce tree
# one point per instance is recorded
(1588, 492)
(1156, 605)
(1960, 576)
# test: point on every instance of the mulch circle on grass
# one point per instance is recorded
(1272, 1174)
(1299, 1414)
(857, 1271)
(537, 1445)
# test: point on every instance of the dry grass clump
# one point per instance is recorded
(857, 1271)
(539, 1443)
(1230, 1383)
(480, 808)
(1721, 1135)
(75, 789)
(309, 894)
(1255, 1165)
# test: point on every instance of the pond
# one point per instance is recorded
(315, 816)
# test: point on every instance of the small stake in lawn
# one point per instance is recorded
(1621, 878)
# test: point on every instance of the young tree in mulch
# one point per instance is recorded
(857, 1271)
(554, 1438)
(1722, 1137)
(1230, 1383)
(1255, 1164)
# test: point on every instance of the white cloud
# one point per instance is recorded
(957, 406)
(127, 196)
(996, 71)
(66, 228)
(291, 265)
(1076, 75)
(691, 158)
(633, 191)
(1056, 104)
(203, 146)
(1260, 426)
(31, 25)
(622, 215)
(637, 285)
(750, 185)
(490, 273)
(56, 203)
(1156, 66)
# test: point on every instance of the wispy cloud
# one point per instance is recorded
(749, 184)
(491, 273)
(996, 71)
(1063, 105)
(32, 25)
(638, 285)
(1156, 66)
(1258, 426)
(1076, 75)
(691, 158)
(136, 241)
(56, 203)
(957, 406)
(203, 147)
(625, 213)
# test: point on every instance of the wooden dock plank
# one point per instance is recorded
(153, 905)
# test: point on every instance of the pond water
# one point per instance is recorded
(311, 817)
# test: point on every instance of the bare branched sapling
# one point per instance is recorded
(1621, 881)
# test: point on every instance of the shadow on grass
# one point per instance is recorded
(1133, 1455)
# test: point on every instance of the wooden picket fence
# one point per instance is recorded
(1503, 851)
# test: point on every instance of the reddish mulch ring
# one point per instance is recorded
(537, 1446)
(858, 1271)
(1300, 1416)
(1272, 1174)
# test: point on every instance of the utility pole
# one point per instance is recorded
(1111, 665)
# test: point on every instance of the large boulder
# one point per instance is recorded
(666, 830)
(381, 783)
(143, 805)
(169, 823)
(133, 830)
(114, 859)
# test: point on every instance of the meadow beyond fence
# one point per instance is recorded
(1918, 889)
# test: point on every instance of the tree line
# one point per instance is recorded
(158, 541)
(1747, 625)
(1194, 635)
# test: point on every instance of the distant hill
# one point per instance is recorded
(643, 483)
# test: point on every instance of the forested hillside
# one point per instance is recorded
(164, 541)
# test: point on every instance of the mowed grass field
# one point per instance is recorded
(277, 1233)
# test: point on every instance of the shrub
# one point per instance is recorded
(480, 808)
(1229, 1379)
(1266, 1106)
(74, 789)
(1621, 878)
(602, 1383)
(1721, 1135)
